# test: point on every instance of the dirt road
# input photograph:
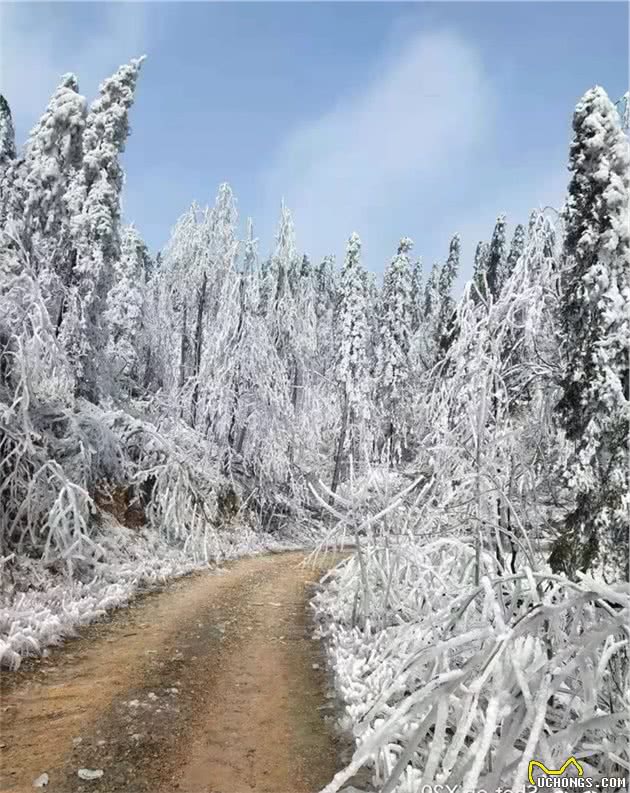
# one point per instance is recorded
(210, 686)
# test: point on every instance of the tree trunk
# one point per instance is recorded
(481, 423)
(297, 383)
(340, 447)
(60, 313)
(201, 304)
(241, 440)
(183, 349)
(237, 374)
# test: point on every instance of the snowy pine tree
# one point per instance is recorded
(624, 111)
(431, 293)
(284, 268)
(124, 311)
(325, 298)
(595, 312)
(37, 206)
(417, 294)
(7, 158)
(480, 271)
(393, 364)
(7, 135)
(517, 247)
(446, 305)
(495, 263)
(94, 201)
(325, 287)
(352, 367)
(276, 275)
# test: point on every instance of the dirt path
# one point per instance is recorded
(211, 686)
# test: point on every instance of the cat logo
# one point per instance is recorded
(550, 772)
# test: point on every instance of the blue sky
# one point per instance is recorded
(418, 119)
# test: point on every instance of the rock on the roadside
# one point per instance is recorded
(90, 773)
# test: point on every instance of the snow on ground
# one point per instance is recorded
(452, 682)
(41, 606)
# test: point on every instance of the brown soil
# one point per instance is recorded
(211, 686)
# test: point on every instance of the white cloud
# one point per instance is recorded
(41, 42)
(389, 147)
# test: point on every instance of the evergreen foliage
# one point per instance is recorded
(595, 314)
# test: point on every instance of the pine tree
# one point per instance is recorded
(595, 309)
(282, 263)
(417, 294)
(7, 135)
(222, 244)
(431, 293)
(220, 228)
(7, 157)
(325, 285)
(306, 271)
(36, 205)
(94, 201)
(283, 269)
(246, 313)
(516, 251)
(351, 370)
(224, 220)
(257, 411)
(393, 366)
(124, 312)
(496, 258)
(214, 275)
(324, 303)
(292, 325)
(624, 111)
(480, 269)
(374, 312)
(446, 305)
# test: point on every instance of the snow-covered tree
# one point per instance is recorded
(94, 202)
(200, 295)
(259, 397)
(446, 304)
(431, 293)
(417, 294)
(624, 111)
(325, 286)
(36, 207)
(7, 159)
(215, 310)
(250, 354)
(495, 264)
(124, 311)
(325, 299)
(352, 366)
(595, 312)
(393, 364)
(285, 259)
(7, 136)
(517, 247)
(480, 272)
(374, 310)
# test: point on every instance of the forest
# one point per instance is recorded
(161, 413)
